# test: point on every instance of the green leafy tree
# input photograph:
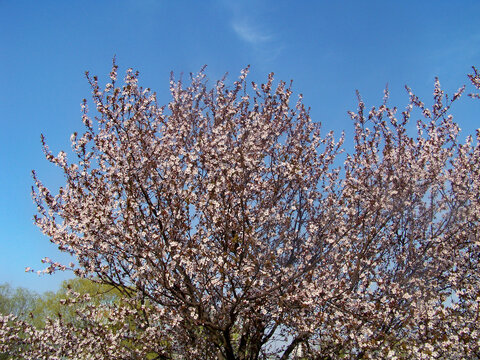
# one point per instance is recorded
(35, 310)
(52, 304)
(17, 301)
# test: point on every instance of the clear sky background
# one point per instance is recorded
(329, 49)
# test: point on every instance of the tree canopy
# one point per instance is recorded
(232, 227)
(36, 310)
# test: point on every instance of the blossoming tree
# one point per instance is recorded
(235, 229)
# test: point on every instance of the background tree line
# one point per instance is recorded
(35, 308)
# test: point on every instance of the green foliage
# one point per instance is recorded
(19, 301)
(50, 305)
(36, 309)
(30, 306)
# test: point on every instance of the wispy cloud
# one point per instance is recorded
(250, 33)
(250, 22)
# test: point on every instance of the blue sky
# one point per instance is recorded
(328, 48)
